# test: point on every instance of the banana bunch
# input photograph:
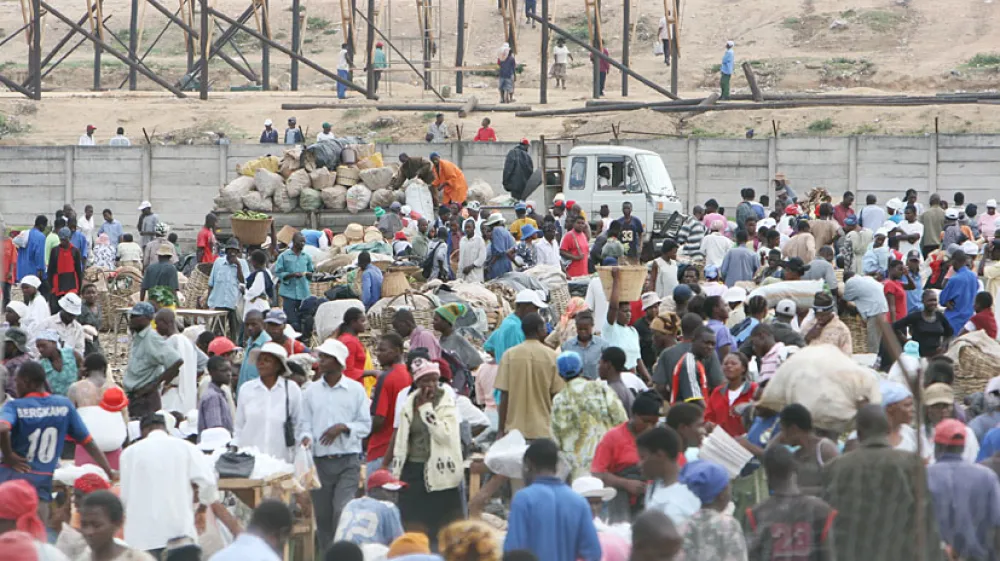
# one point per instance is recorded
(250, 215)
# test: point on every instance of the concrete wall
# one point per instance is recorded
(181, 181)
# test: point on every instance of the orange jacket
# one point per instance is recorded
(448, 176)
(9, 272)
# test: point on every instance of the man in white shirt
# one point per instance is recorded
(265, 537)
(438, 130)
(181, 394)
(343, 70)
(561, 57)
(65, 325)
(88, 139)
(156, 477)
(327, 133)
(912, 231)
(547, 248)
(336, 416)
(86, 224)
(872, 216)
(664, 33)
(715, 245)
(119, 139)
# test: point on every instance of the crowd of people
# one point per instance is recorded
(613, 399)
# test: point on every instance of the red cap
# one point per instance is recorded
(91, 128)
(90, 482)
(415, 215)
(114, 400)
(379, 44)
(525, 141)
(792, 210)
(558, 204)
(383, 478)
(950, 432)
(400, 236)
(220, 346)
(570, 204)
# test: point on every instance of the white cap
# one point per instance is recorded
(730, 43)
(214, 438)
(650, 299)
(32, 280)
(189, 425)
(336, 349)
(558, 197)
(951, 214)
(169, 421)
(589, 486)
(144, 205)
(882, 232)
(735, 294)
(71, 304)
(894, 203)
(528, 296)
(991, 203)
(267, 122)
(786, 307)
(20, 308)
(474, 205)
(405, 210)
(970, 248)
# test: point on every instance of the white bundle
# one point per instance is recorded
(267, 182)
(254, 200)
(283, 201)
(67, 475)
(480, 190)
(801, 292)
(721, 448)
(502, 200)
(329, 315)
(382, 198)
(265, 466)
(232, 194)
(335, 197)
(108, 429)
(418, 198)
(298, 180)
(358, 198)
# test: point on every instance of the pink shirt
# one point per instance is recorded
(987, 225)
(712, 217)
(422, 338)
(485, 377)
(769, 362)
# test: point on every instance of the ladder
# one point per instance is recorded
(26, 15)
(508, 10)
(552, 165)
(347, 22)
(593, 9)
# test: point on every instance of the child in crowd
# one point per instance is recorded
(983, 319)
(129, 253)
(373, 518)
(613, 247)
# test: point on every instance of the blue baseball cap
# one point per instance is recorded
(705, 479)
(570, 364)
(520, 206)
(142, 309)
(277, 317)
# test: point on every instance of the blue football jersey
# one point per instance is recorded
(39, 425)
(367, 520)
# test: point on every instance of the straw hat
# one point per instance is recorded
(354, 233)
(373, 236)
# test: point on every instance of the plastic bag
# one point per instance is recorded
(267, 182)
(506, 456)
(418, 197)
(658, 48)
(270, 163)
(480, 191)
(358, 198)
(324, 154)
(305, 470)
(310, 199)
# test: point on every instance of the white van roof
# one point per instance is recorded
(608, 150)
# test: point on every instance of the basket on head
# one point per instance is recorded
(373, 236)
(394, 283)
(354, 233)
(251, 232)
(339, 241)
(631, 280)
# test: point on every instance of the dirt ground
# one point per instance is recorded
(816, 46)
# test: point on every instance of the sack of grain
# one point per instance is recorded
(321, 179)
(358, 198)
(254, 200)
(298, 180)
(310, 199)
(334, 198)
(290, 161)
(480, 191)
(348, 177)
(377, 178)
(418, 197)
(283, 202)
(383, 198)
(270, 163)
(232, 194)
(267, 182)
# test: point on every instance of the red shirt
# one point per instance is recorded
(616, 451)
(985, 321)
(355, 369)
(389, 385)
(206, 242)
(840, 213)
(719, 411)
(485, 134)
(293, 346)
(894, 289)
(575, 243)
(9, 272)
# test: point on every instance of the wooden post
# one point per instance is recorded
(598, 45)
(203, 86)
(752, 81)
(543, 91)
(265, 50)
(133, 42)
(370, 49)
(626, 36)
(296, 43)
(35, 52)
(425, 18)
(460, 47)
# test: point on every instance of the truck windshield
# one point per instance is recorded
(657, 179)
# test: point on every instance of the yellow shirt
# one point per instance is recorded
(515, 227)
(529, 375)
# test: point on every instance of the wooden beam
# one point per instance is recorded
(441, 107)
(543, 90)
(427, 83)
(752, 81)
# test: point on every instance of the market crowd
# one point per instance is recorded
(592, 433)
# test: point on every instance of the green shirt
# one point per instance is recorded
(288, 262)
(380, 61)
(149, 356)
(51, 241)
(60, 380)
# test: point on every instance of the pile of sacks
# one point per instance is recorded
(310, 179)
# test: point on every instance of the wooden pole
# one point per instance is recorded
(543, 91)
(370, 49)
(203, 86)
(425, 18)
(265, 49)
(427, 84)
(133, 39)
(626, 36)
(97, 48)
(296, 43)
(596, 44)
(752, 81)
(460, 47)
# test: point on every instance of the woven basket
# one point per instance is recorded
(559, 300)
(318, 289)
(973, 370)
(197, 284)
(251, 232)
(859, 332)
(631, 281)
(423, 317)
(394, 283)
(408, 270)
(122, 286)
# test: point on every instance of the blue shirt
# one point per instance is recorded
(324, 406)
(367, 520)
(371, 285)
(508, 334)
(961, 289)
(500, 242)
(728, 61)
(915, 297)
(39, 424)
(550, 520)
(631, 234)
(591, 354)
(60, 381)
(225, 283)
(722, 336)
(79, 241)
(312, 237)
(288, 262)
(966, 505)
(31, 258)
(269, 136)
(113, 229)
(248, 370)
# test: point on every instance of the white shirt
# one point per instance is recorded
(909, 229)
(38, 313)
(86, 225)
(247, 547)
(156, 477)
(119, 140)
(260, 416)
(715, 246)
(401, 402)
(69, 335)
(342, 63)
(86, 140)
(439, 132)
(664, 30)
(560, 55)
(599, 303)
(547, 252)
(676, 501)
(324, 406)
(633, 382)
(183, 397)
(325, 136)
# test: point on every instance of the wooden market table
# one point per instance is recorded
(252, 492)
(214, 320)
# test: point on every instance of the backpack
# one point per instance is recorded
(428, 264)
(461, 378)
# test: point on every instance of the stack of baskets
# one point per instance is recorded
(394, 283)
(559, 300)
(859, 332)
(123, 285)
(423, 312)
(197, 284)
(973, 370)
